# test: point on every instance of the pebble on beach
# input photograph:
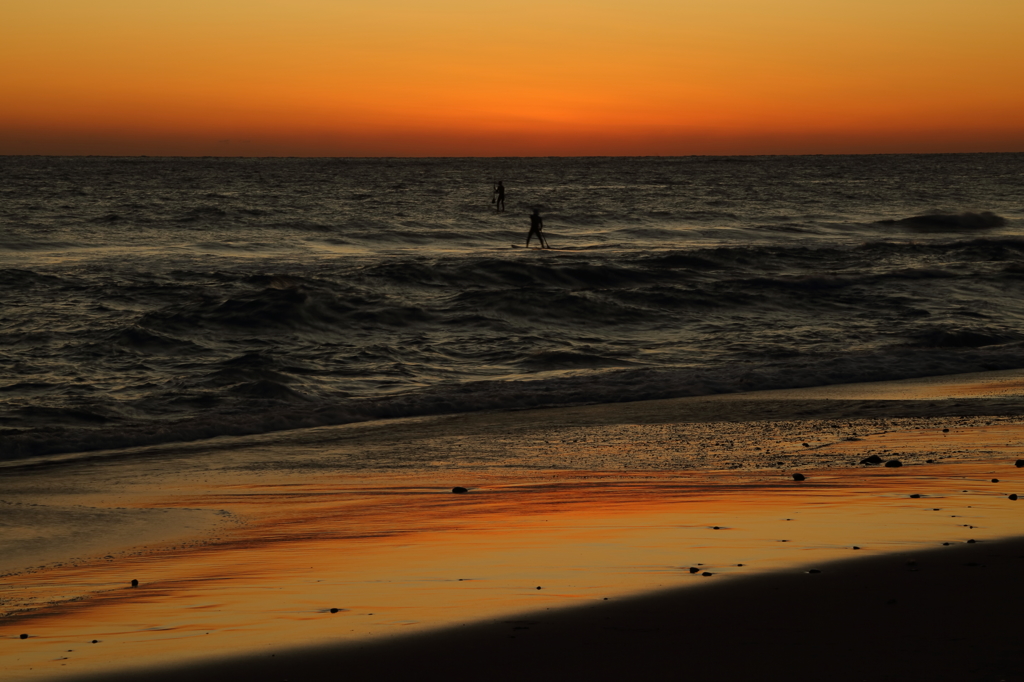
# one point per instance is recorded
(894, 463)
(1013, 496)
(1019, 463)
(135, 583)
(706, 574)
(915, 495)
(694, 569)
(799, 477)
(24, 636)
(873, 459)
(995, 480)
(459, 489)
(335, 610)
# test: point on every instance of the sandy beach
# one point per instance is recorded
(580, 548)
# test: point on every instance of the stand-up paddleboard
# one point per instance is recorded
(564, 248)
(540, 248)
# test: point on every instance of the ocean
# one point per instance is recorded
(160, 300)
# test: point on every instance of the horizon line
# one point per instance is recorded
(550, 156)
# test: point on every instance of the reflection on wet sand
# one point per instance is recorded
(395, 554)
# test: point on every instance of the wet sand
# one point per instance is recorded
(951, 613)
(243, 546)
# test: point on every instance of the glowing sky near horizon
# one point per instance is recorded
(552, 77)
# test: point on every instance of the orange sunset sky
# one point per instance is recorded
(525, 78)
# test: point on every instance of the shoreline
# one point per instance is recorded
(361, 517)
(991, 393)
(997, 393)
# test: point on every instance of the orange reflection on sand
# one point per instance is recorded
(398, 555)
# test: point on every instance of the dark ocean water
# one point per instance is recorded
(150, 300)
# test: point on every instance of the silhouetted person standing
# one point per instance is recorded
(536, 228)
(500, 189)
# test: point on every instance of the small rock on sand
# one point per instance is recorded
(995, 480)
(334, 610)
(894, 463)
(694, 569)
(814, 570)
(135, 583)
(873, 459)
(799, 477)
(1019, 463)
(459, 489)
(24, 636)
(1013, 496)
(706, 574)
(915, 495)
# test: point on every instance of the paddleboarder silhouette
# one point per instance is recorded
(536, 228)
(500, 202)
